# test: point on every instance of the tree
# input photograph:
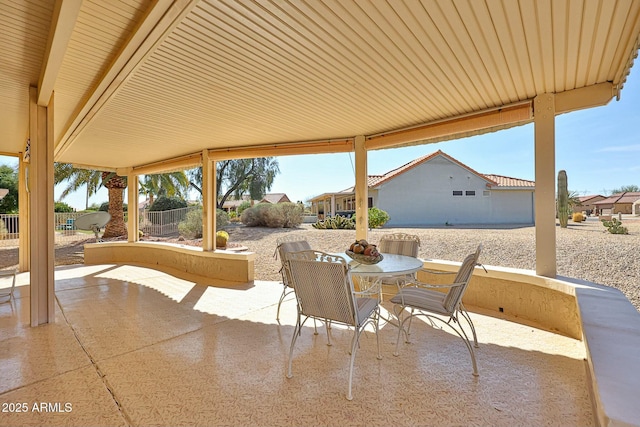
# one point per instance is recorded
(625, 188)
(62, 207)
(174, 184)
(115, 185)
(9, 181)
(75, 179)
(238, 177)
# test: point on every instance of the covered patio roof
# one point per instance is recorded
(166, 80)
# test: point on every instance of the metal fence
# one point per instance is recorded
(157, 224)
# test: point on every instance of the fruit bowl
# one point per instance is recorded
(364, 259)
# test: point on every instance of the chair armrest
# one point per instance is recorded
(426, 270)
(433, 286)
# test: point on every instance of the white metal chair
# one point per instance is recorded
(399, 244)
(324, 290)
(9, 293)
(285, 245)
(430, 301)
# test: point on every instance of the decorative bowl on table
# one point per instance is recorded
(364, 259)
(364, 252)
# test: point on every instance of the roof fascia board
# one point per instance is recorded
(585, 97)
(484, 121)
(156, 26)
(329, 146)
(165, 166)
(65, 15)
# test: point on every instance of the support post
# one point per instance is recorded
(208, 202)
(23, 212)
(133, 212)
(545, 173)
(41, 205)
(362, 189)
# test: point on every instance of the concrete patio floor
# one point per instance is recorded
(136, 347)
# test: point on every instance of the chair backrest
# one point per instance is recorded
(286, 245)
(399, 244)
(323, 286)
(454, 296)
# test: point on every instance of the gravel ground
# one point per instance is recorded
(584, 250)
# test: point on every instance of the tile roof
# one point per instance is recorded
(506, 181)
(626, 197)
(584, 199)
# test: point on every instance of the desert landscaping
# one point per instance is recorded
(584, 250)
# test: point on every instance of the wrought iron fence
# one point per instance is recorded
(163, 223)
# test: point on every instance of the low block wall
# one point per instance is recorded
(186, 262)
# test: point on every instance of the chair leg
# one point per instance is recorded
(282, 297)
(466, 316)
(296, 332)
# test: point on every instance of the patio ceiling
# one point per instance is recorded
(160, 80)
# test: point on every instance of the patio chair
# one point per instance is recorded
(285, 245)
(432, 302)
(399, 244)
(324, 290)
(4, 293)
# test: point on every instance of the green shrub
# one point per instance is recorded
(62, 207)
(377, 217)
(222, 218)
(335, 223)
(191, 226)
(243, 206)
(615, 226)
(280, 215)
(105, 207)
(167, 204)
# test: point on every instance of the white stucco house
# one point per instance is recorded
(437, 189)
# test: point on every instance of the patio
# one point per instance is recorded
(134, 346)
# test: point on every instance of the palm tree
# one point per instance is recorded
(76, 178)
(166, 184)
(116, 227)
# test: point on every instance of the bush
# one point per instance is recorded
(337, 222)
(615, 227)
(243, 206)
(377, 217)
(578, 217)
(167, 204)
(62, 207)
(280, 215)
(191, 226)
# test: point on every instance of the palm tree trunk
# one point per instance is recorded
(116, 227)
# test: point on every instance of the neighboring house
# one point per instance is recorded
(619, 203)
(587, 204)
(231, 205)
(437, 189)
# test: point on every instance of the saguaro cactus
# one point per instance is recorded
(563, 199)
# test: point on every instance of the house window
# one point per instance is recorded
(370, 202)
(457, 193)
(486, 193)
(470, 193)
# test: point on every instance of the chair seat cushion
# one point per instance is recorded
(365, 307)
(422, 299)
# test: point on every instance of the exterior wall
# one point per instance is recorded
(424, 196)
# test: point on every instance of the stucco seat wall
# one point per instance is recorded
(187, 262)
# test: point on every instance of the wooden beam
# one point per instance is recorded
(584, 97)
(169, 165)
(65, 15)
(329, 146)
(445, 129)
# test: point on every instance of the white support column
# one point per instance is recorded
(133, 211)
(362, 189)
(545, 177)
(41, 205)
(333, 205)
(23, 211)
(208, 202)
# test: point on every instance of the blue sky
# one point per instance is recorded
(599, 148)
